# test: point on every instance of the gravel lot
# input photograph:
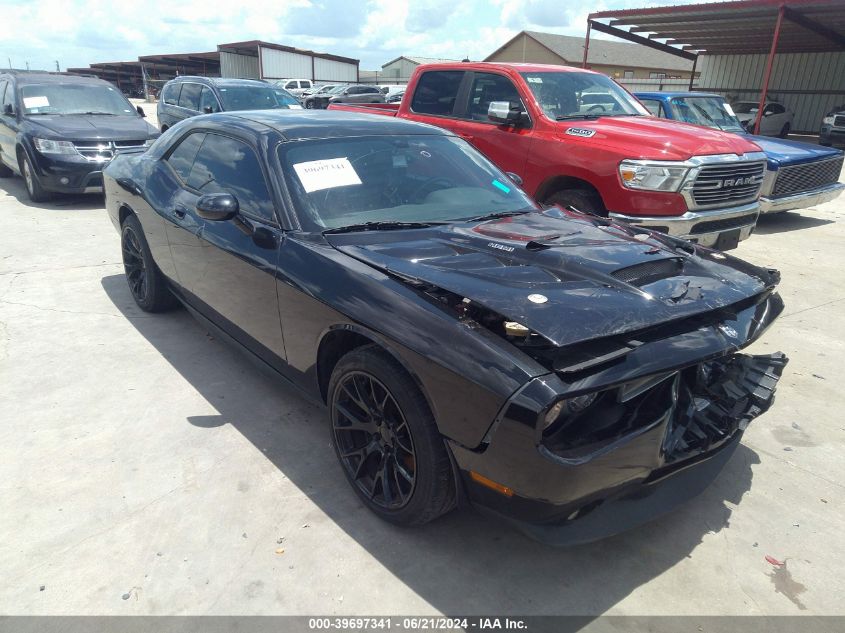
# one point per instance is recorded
(146, 468)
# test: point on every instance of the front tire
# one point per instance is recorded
(309, 105)
(785, 131)
(146, 283)
(582, 200)
(387, 441)
(34, 190)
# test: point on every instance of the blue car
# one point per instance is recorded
(798, 175)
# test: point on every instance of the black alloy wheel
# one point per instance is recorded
(373, 440)
(387, 440)
(133, 265)
(146, 283)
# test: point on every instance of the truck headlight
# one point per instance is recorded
(828, 120)
(46, 146)
(652, 175)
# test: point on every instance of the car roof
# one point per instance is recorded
(31, 78)
(316, 124)
(671, 95)
(221, 81)
(519, 67)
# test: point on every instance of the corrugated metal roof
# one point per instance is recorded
(606, 52)
(420, 60)
(739, 27)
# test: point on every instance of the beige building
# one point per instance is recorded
(616, 59)
(399, 70)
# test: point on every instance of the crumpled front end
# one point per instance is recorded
(605, 444)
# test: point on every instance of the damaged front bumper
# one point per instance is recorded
(644, 444)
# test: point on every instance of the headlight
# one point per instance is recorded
(828, 120)
(46, 146)
(652, 176)
(567, 407)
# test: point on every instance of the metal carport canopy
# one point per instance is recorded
(741, 27)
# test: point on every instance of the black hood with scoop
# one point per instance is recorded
(568, 277)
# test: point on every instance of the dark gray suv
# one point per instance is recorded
(187, 96)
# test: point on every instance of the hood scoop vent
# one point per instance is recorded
(649, 272)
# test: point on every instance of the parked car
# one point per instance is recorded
(396, 97)
(776, 121)
(798, 175)
(389, 89)
(295, 86)
(316, 90)
(833, 127)
(345, 94)
(383, 267)
(598, 102)
(188, 96)
(319, 99)
(58, 131)
(699, 184)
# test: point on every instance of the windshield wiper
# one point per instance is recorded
(94, 112)
(387, 225)
(494, 216)
(44, 114)
(569, 117)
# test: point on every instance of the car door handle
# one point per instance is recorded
(179, 211)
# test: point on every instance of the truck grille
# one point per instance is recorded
(104, 151)
(728, 184)
(807, 177)
(839, 121)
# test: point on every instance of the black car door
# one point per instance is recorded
(189, 101)
(8, 124)
(227, 268)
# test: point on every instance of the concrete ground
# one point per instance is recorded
(146, 468)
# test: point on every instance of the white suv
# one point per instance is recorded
(295, 86)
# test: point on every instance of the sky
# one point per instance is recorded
(79, 32)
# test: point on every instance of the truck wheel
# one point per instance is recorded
(580, 199)
(36, 192)
(146, 283)
(785, 131)
(387, 441)
(309, 105)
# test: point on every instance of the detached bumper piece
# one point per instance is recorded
(725, 398)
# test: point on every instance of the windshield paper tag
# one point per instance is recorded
(36, 102)
(580, 131)
(326, 174)
(728, 109)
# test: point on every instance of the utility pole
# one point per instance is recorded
(10, 62)
(57, 66)
(27, 66)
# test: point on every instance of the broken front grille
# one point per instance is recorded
(807, 177)
(730, 184)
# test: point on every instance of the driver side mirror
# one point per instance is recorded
(8, 110)
(506, 113)
(217, 206)
(208, 109)
(141, 111)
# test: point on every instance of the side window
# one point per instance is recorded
(437, 91)
(654, 106)
(774, 108)
(291, 85)
(171, 94)
(190, 96)
(226, 165)
(486, 88)
(372, 90)
(207, 99)
(181, 159)
(304, 84)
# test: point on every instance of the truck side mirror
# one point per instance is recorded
(505, 113)
(141, 111)
(8, 110)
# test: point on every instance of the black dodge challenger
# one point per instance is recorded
(573, 375)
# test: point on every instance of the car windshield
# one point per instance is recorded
(565, 95)
(337, 90)
(746, 107)
(349, 181)
(255, 98)
(707, 111)
(75, 98)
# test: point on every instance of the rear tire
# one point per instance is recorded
(146, 283)
(582, 200)
(395, 439)
(36, 192)
(309, 105)
(785, 131)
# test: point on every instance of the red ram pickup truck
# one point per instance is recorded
(575, 137)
